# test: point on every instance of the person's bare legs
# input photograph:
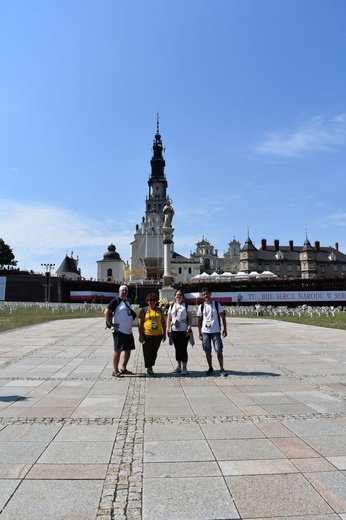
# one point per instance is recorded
(116, 358)
(220, 358)
(209, 359)
(126, 357)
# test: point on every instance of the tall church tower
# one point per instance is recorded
(157, 181)
(146, 251)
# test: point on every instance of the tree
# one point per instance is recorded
(6, 254)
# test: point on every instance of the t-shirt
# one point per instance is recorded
(122, 316)
(210, 320)
(179, 316)
(152, 325)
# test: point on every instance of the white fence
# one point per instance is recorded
(12, 307)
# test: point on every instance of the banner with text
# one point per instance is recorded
(273, 297)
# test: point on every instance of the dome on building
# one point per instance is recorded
(111, 268)
(111, 254)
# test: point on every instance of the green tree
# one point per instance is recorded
(6, 254)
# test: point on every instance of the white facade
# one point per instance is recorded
(146, 251)
(111, 268)
(183, 269)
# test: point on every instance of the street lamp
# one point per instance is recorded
(48, 268)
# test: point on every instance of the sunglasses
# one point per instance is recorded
(152, 300)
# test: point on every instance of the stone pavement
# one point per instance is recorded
(269, 441)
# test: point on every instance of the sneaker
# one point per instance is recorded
(209, 371)
(184, 372)
(223, 372)
(177, 370)
(150, 372)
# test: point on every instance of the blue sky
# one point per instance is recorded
(251, 97)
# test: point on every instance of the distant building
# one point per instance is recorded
(69, 268)
(184, 268)
(206, 257)
(292, 261)
(209, 260)
(230, 260)
(146, 250)
(112, 267)
(286, 262)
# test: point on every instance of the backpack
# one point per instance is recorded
(118, 301)
(216, 306)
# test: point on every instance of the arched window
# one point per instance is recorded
(109, 272)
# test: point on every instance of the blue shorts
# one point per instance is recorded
(209, 338)
(123, 341)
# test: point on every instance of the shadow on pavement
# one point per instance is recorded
(261, 374)
(12, 398)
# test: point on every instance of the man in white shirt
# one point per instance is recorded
(210, 314)
(119, 316)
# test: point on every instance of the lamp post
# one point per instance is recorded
(48, 268)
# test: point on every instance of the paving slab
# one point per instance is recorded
(70, 471)
(179, 469)
(170, 451)
(173, 432)
(44, 499)
(7, 488)
(267, 442)
(244, 449)
(214, 500)
(332, 487)
(14, 471)
(235, 430)
(257, 467)
(266, 496)
(29, 432)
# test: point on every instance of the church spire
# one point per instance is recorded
(157, 181)
(157, 161)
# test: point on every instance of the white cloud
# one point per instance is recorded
(319, 134)
(42, 233)
(337, 219)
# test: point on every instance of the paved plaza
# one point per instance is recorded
(267, 442)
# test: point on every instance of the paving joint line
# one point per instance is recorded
(127, 423)
(121, 497)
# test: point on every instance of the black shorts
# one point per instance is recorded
(123, 341)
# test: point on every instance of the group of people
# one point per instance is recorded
(153, 328)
